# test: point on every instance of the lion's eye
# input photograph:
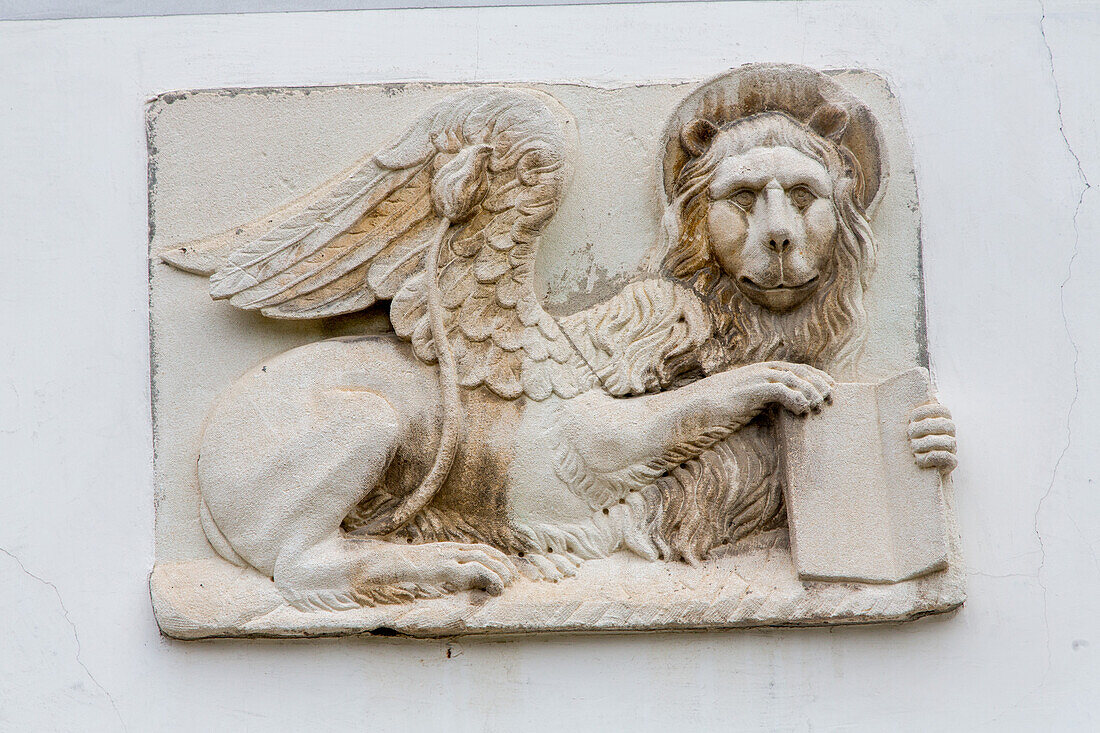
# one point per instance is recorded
(744, 198)
(801, 196)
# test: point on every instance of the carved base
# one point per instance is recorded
(210, 598)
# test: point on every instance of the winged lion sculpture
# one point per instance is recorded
(484, 437)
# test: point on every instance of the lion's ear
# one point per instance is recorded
(829, 121)
(697, 135)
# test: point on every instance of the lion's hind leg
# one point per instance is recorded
(348, 448)
(279, 475)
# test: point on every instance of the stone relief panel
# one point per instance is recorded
(658, 366)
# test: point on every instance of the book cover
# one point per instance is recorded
(858, 506)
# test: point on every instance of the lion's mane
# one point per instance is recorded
(733, 490)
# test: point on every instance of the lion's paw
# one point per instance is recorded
(450, 567)
(932, 437)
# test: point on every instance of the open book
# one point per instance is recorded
(858, 506)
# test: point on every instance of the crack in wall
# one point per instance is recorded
(1065, 320)
(72, 625)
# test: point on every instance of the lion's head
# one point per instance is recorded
(767, 226)
(768, 175)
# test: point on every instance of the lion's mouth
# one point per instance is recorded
(780, 298)
(748, 282)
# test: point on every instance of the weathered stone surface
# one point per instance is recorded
(595, 449)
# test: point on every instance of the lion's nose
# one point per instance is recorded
(780, 242)
(777, 218)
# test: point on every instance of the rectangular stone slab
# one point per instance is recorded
(220, 158)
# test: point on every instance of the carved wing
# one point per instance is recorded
(459, 202)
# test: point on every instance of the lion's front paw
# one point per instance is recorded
(932, 437)
(798, 388)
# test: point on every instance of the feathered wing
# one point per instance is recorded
(472, 184)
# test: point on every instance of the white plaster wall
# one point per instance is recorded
(1001, 105)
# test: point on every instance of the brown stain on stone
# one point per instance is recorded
(476, 487)
(413, 458)
(472, 504)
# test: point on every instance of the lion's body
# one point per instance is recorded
(341, 430)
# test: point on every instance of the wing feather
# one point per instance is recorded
(307, 232)
(381, 230)
(391, 269)
(367, 237)
(409, 306)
